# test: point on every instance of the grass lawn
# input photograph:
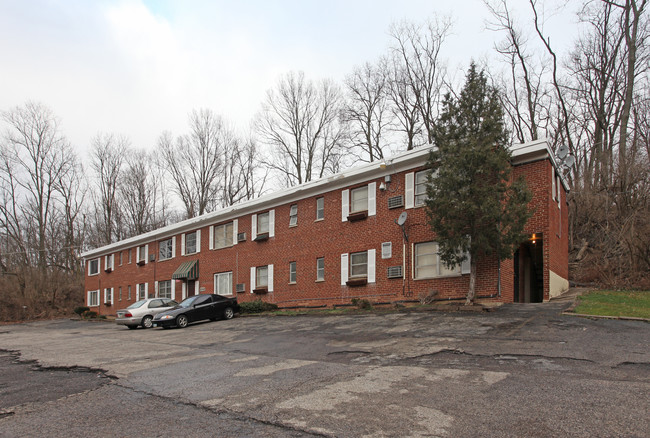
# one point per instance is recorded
(615, 303)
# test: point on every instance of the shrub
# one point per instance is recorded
(361, 304)
(257, 306)
(90, 314)
(80, 310)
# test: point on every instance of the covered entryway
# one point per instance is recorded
(188, 273)
(529, 270)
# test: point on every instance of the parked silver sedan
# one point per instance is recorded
(142, 312)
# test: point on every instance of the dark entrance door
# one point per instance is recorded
(191, 288)
(529, 272)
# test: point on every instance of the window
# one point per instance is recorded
(129, 256)
(263, 223)
(359, 264)
(320, 209)
(293, 215)
(142, 291)
(386, 250)
(191, 246)
(93, 298)
(421, 187)
(93, 267)
(223, 235)
(109, 262)
(428, 263)
(223, 283)
(108, 295)
(129, 289)
(292, 272)
(142, 255)
(121, 257)
(166, 249)
(320, 269)
(120, 292)
(165, 289)
(262, 276)
(359, 199)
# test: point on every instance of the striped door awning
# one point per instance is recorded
(187, 270)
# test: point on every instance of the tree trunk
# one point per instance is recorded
(471, 293)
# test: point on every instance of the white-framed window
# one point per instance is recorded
(166, 248)
(223, 235)
(320, 208)
(191, 243)
(93, 267)
(108, 295)
(263, 224)
(359, 264)
(420, 188)
(121, 257)
(129, 292)
(109, 262)
(293, 215)
(129, 256)
(223, 283)
(386, 250)
(427, 262)
(93, 298)
(120, 293)
(165, 289)
(142, 289)
(142, 252)
(262, 277)
(320, 269)
(292, 272)
(359, 199)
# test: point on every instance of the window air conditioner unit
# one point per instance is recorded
(241, 287)
(396, 202)
(395, 271)
(152, 257)
(241, 237)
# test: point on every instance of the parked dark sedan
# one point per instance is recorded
(197, 308)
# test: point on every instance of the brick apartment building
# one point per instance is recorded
(329, 241)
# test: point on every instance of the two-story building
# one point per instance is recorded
(326, 242)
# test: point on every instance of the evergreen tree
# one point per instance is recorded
(473, 205)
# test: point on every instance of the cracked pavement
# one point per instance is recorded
(521, 370)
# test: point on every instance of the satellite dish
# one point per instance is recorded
(569, 161)
(402, 218)
(562, 152)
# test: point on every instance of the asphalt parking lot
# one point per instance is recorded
(522, 370)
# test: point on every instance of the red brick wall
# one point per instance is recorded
(329, 238)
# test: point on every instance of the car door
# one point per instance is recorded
(201, 308)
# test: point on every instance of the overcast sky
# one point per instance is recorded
(138, 67)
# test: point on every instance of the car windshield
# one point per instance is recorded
(136, 304)
(187, 302)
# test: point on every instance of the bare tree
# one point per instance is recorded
(243, 178)
(141, 196)
(418, 48)
(195, 161)
(523, 95)
(37, 157)
(107, 158)
(300, 121)
(368, 109)
(403, 101)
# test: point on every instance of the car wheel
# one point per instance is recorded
(181, 321)
(228, 313)
(132, 327)
(147, 322)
